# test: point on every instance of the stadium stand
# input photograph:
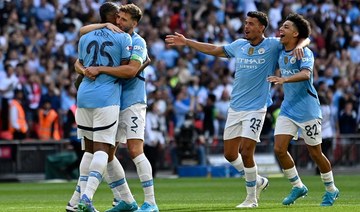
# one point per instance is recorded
(38, 38)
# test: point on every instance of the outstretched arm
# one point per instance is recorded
(180, 40)
(92, 27)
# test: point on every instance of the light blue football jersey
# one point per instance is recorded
(102, 47)
(252, 66)
(301, 102)
(133, 90)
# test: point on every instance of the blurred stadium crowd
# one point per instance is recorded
(38, 47)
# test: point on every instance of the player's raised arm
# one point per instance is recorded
(91, 27)
(180, 40)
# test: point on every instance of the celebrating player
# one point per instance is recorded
(133, 106)
(256, 58)
(299, 110)
(98, 100)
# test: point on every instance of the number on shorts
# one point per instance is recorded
(311, 131)
(255, 124)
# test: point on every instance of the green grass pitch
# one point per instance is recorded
(185, 194)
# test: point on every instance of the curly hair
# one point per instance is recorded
(302, 25)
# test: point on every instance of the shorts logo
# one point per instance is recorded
(135, 126)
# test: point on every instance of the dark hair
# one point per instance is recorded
(323, 99)
(133, 10)
(18, 91)
(262, 17)
(212, 97)
(108, 9)
(7, 67)
(302, 25)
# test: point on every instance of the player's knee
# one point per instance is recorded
(135, 151)
(247, 155)
(229, 156)
(317, 156)
(135, 147)
(279, 151)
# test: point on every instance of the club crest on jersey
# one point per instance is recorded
(286, 60)
(261, 51)
(251, 51)
(293, 60)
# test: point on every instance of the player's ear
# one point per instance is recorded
(135, 23)
(295, 34)
(262, 28)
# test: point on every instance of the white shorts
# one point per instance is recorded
(131, 123)
(98, 124)
(310, 130)
(246, 124)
